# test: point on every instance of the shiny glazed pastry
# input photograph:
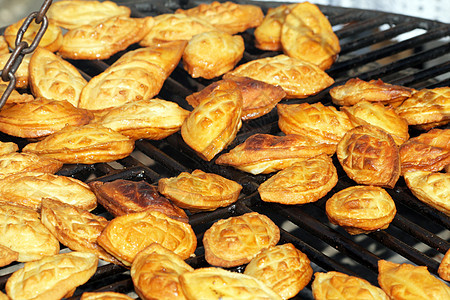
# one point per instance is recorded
(370, 156)
(155, 272)
(104, 296)
(21, 74)
(126, 235)
(15, 96)
(283, 268)
(16, 162)
(200, 191)
(8, 147)
(444, 267)
(361, 209)
(301, 183)
(3, 45)
(7, 256)
(237, 240)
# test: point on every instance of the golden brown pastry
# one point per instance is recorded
(152, 119)
(370, 156)
(103, 39)
(52, 77)
(237, 240)
(356, 90)
(307, 34)
(15, 96)
(85, 144)
(200, 191)
(21, 231)
(406, 281)
(8, 147)
(214, 123)
(7, 256)
(21, 73)
(216, 283)
(3, 45)
(104, 296)
(52, 277)
(16, 162)
(283, 268)
(211, 54)
(336, 285)
(41, 117)
(298, 78)
(444, 267)
(126, 235)
(301, 183)
(121, 197)
(265, 153)
(365, 113)
(155, 272)
(72, 14)
(361, 209)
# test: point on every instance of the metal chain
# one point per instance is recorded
(22, 48)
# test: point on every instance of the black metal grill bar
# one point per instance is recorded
(422, 76)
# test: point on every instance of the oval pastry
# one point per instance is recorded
(104, 296)
(22, 74)
(7, 256)
(444, 266)
(16, 162)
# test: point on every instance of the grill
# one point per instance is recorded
(398, 49)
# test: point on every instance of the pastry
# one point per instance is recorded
(15, 96)
(370, 156)
(21, 72)
(126, 235)
(356, 90)
(265, 153)
(283, 268)
(361, 209)
(155, 272)
(298, 78)
(8, 147)
(444, 267)
(200, 191)
(52, 277)
(432, 188)
(336, 285)
(406, 281)
(301, 183)
(237, 240)
(7, 256)
(121, 197)
(227, 16)
(214, 123)
(52, 77)
(104, 296)
(16, 162)
(85, 144)
(211, 54)
(3, 45)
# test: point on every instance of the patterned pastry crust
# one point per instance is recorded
(211, 54)
(444, 267)
(431, 188)
(301, 183)
(73, 14)
(200, 191)
(21, 231)
(361, 209)
(214, 123)
(7, 256)
(104, 296)
(15, 96)
(126, 235)
(370, 156)
(406, 281)
(8, 147)
(283, 268)
(52, 77)
(216, 283)
(41, 117)
(16, 162)
(3, 45)
(155, 272)
(307, 34)
(237, 240)
(21, 73)
(52, 277)
(298, 78)
(356, 90)
(336, 285)
(85, 144)
(265, 153)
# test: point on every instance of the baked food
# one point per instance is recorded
(298, 78)
(406, 281)
(214, 123)
(8, 147)
(432, 188)
(265, 153)
(104, 296)
(87, 144)
(15, 96)
(283, 268)
(155, 272)
(21, 73)
(52, 277)
(200, 191)
(361, 209)
(3, 45)
(211, 54)
(237, 240)
(7, 256)
(370, 156)
(336, 285)
(303, 182)
(444, 267)
(121, 197)
(126, 235)
(16, 162)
